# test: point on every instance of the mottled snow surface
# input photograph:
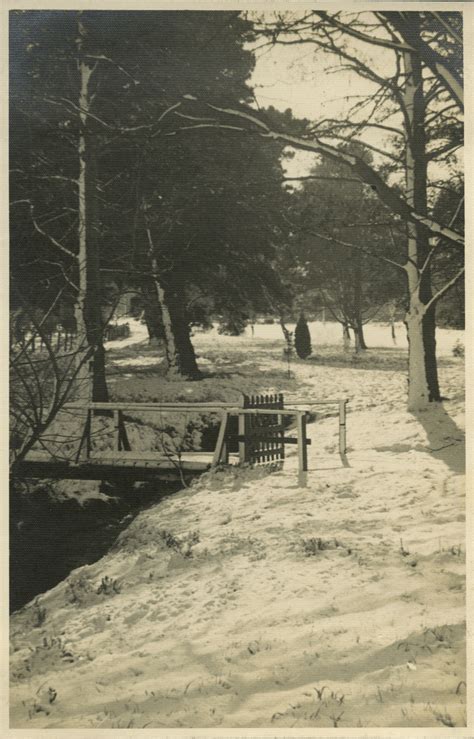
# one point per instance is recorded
(247, 601)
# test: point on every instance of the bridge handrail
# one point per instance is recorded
(232, 409)
(195, 406)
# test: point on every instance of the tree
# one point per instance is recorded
(94, 96)
(41, 380)
(340, 243)
(53, 70)
(302, 338)
(214, 217)
(409, 94)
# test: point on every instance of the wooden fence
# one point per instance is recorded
(114, 332)
(64, 340)
(260, 437)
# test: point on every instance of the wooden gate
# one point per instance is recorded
(261, 438)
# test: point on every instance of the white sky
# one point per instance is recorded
(314, 86)
(296, 77)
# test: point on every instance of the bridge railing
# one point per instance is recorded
(226, 411)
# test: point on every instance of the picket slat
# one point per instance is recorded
(264, 434)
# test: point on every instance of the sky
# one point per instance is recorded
(314, 85)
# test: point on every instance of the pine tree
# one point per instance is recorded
(302, 338)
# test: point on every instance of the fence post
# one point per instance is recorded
(302, 451)
(281, 423)
(220, 452)
(123, 436)
(85, 439)
(117, 429)
(243, 455)
(89, 434)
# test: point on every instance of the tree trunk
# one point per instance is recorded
(286, 333)
(357, 346)
(90, 355)
(392, 311)
(418, 389)
(421, 326)
(180, 355)
(346, 337)
(179, 351)
(393, 332)
(359, 334)
(357, 321)
(431, 365)
(152, 312)
(94, 319)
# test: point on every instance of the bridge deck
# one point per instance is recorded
(120, 466)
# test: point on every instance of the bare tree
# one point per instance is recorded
(419, 102)
(41, 382)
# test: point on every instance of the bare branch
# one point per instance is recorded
(373, 40)
(83, 112)
(445, 289)
(358, 166)
(321, 177)
(437, 241)
(441, 67)
(50, 238)
(348, 245)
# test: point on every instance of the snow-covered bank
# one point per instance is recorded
(246, 601)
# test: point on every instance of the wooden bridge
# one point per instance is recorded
(250, 433)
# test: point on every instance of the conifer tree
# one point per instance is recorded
(302, 338)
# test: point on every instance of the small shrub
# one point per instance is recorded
(181, 546)
(51, 654)
(458, 349)
(79, 588)
(313, 546)
(108, 586)
(302, 338)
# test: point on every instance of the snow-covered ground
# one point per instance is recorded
(248, 601)
(376, 334)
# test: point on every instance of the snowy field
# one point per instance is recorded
(248, 601)
(376, 335)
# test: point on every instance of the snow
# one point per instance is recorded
(376, 334)
(248, 601)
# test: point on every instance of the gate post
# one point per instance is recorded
(302, 451)
(243, 426)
